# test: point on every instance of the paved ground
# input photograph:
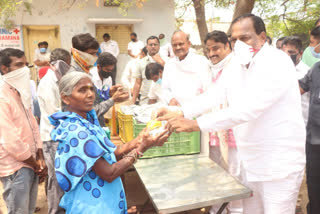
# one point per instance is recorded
(137, 196)
(135, 193)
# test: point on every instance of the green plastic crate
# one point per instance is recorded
(178, 144)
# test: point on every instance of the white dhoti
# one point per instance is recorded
(273, 197)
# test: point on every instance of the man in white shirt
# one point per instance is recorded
(165, 47)
(292, 45)
(154, 72)
(127, 78)
(222, 147)
(135, 46)
(186, 75)
(112, 47)
(109, 45)
(265, 113)
(50, 102)
(42, 58)
(142, 85)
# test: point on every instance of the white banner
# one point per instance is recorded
(11, 38)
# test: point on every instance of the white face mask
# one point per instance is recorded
(243, 52)
(20, 80)
(215, 68)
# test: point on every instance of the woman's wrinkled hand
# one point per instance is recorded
(147, 141)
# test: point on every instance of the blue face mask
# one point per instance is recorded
(43, 50)
(159, 81)
(314, 53)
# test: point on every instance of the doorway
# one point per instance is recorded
(33, 35)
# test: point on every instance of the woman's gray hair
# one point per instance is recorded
(69, 81)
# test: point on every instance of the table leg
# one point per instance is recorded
(144, 205)
(222, 207)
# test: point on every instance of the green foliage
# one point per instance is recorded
(8, 9)
(125, 5)
(292, 17)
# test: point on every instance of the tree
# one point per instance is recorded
(242, 7)
(296, 17)
(282, 17)
(201, 18)
(8, 9)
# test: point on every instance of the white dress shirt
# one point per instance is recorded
(264, 112)
(166, 50)
(100, 84)
(156, 93)
(127, 78)
(135, 47)
(110, 46)
(41, 57)
(302, 70)
(49, 102)
(185, 79)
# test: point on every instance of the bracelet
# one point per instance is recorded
(133, 154)
(139, 154)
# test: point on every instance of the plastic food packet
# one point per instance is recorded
(156, 127)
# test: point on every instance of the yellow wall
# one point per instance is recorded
(119, 33)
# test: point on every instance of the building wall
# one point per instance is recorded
(157, 15)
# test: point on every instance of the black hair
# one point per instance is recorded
(316, 32)
(269, 40)
(106, 59)
(145, 50)
(5, 55)
(60, 54)
(281, 39)
(39, 44)
(153, 69)
(106, 35)
(258, 23)
(153, 37)
(293, 40)
(217, 36)
(45, 43)
(83, 42)
(133, 34)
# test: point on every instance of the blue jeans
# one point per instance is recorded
(20, 191)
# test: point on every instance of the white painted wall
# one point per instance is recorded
(158, 17)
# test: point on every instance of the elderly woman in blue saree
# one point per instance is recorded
(87, 164)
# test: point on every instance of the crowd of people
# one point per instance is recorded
(258, 104)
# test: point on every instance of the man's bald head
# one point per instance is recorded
(180, 44)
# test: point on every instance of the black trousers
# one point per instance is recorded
(313, 177)
(114, 74)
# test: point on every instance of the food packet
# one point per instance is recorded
(156, 127)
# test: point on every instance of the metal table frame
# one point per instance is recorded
(202, 172)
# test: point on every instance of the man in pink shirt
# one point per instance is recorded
(21, 157)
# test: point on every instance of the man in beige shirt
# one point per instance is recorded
(21, 157)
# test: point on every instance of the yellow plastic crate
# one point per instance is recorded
(125, 127)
